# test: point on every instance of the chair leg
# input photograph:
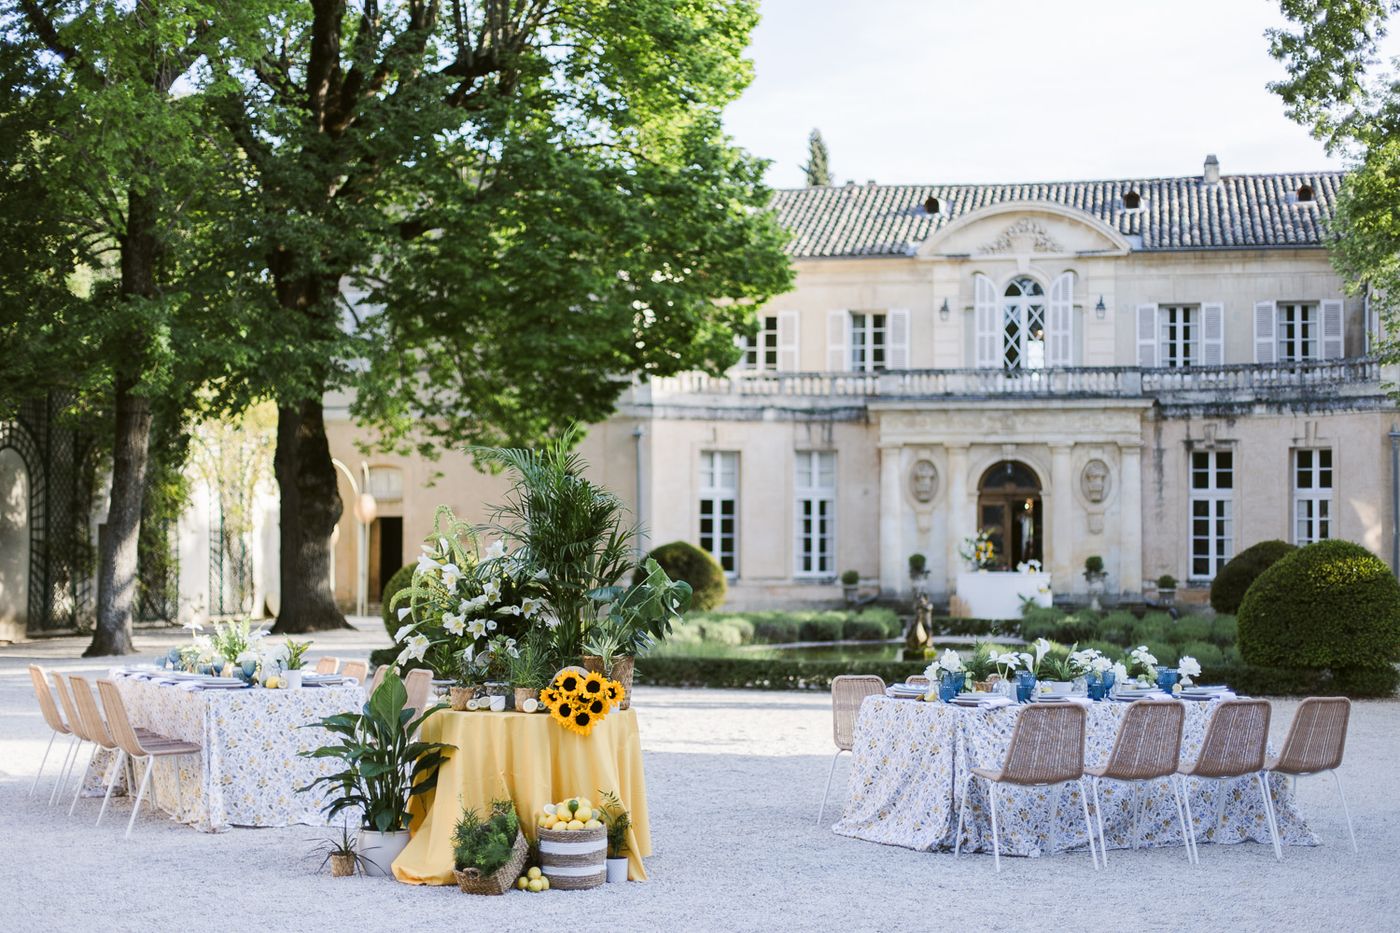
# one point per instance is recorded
(1098, 813)
(69, 757)
(1346, 811)
(1181, 819)
(829, 775)
(81, 774)
(1088, 824)
(1267, 795)
(1059, 794)
(962, 811)
(116, 772)
(42, 761)
(145, 782)
(1190, 820)
(1139, 798)
(996, 838)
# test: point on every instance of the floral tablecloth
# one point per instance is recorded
(249, 769)
(912, 759)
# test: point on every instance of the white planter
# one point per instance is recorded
(617, 870)
(997, 594)
(293, 679)
(1057, 688)
(380, 849)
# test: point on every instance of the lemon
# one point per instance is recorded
(535, 885)
(593, 824)
(271, 683)
(533, 873)
(544, 882)
(575, 824)
(585, 804)
(550, 809)
(521, 882)
(583, 813)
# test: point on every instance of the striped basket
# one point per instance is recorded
(574, 860)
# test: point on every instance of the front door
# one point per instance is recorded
(1009, 511)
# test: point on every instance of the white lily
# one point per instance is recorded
(455, 624)
(415, 649)
(491, 590)
(451, 573)
(512, 610)
(403, 613)
(406, 631)
(477, 627)
(426, 564)
(529, 607)
(495, 551)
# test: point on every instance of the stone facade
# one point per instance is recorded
(1036, 331)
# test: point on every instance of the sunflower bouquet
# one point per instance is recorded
(579, 699)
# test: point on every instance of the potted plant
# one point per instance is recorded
(850, 585)
(979, 551)
(619, 823)
(343, 856)
(1166, 588)
(293, 662)
(630, 621)
(488, 854)
(383, 768)
(1095, 575)
(494, 662)
(1057, 672)
(530, 670)
(468, 683)
(981, 668)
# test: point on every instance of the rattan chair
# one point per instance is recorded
(57, 727)
(378, 679)
(356, 669)
(147, 746)
(848, 691)
(1235, 743)
(328, 665)
(1047, 750)
(418, 685)
(1316, 740)
(1147, 748)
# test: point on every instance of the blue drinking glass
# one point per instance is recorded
(1094, 684)
(948, 686)
(1025, 686)
(1109, 678)
(1166, 679)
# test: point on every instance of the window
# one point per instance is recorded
(1298, 331)
(385, 483)
(761, 350)
(1132, 201)
(931, 205)
(1312, 495)
(1305, 194)
(1212, 518)
(1023, 325)
(719, 496)
(816, 513)
(867, 342)
(1180, 335)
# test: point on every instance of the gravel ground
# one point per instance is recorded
(735, 779)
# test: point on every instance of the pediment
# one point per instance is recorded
(1025, 229)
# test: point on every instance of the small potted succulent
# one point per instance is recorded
(850, 585)
(468, 683)
(1166, 588)
(344, 858)
(619, 823)
(293, 662)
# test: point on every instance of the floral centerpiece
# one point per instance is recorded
(1142, 665)
(979, 551)
(578, 700)
(1189, 669)
(947, 671)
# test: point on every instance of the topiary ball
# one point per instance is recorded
(1232, 582)
(1330, 605)
(401, 580)
(684, 561)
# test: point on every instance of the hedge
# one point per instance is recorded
(1235, 578)
(684, 561)
(760, 674)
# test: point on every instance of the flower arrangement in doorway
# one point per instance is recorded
(979, 551)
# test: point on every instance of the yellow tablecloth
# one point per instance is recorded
(534, 761)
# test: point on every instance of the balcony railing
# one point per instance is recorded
(1354, 376)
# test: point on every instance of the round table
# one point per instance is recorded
(532, 760)
(911, 759)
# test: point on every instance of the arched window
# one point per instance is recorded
(1305, 194)
(931, 204)
(1132, 201)
(1023, 324)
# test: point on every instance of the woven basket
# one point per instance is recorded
(622, 667)
(502, 879)
(574, 860)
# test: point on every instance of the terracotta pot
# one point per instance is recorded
(622, 668)
(342, 864)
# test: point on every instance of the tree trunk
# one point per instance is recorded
(116, 563)
(310, 508)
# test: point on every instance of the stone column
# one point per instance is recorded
(1060, 550)
(1130, 520)
(962, 512)
(891, 518)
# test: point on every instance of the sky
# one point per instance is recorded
(951, 91)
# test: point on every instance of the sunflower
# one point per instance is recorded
(596, 707)
(549, 696)
(593, 684)
(583, 721)
(562, 712)
(613, 691)
(567, 682)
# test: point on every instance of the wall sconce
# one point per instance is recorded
(943, 312)
(1099, 309)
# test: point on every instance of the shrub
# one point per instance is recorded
(849, 578)
(1093, 564)
(1166, 582)
(1203, 651)
(862, 629)
(918, 563)
(684, 561)
(401, 580)
(1224, 631)
(1234, 579)
(886, 617)
(775, 631)
(1331, 605)
(823, 627)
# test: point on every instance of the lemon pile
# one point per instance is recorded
(533, 880)
(575, 813)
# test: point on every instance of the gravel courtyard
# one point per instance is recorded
(734, 782)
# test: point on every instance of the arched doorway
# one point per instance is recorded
(1009, 511)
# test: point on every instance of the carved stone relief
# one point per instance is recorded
(923, 481)
(1094, 481)
(1029, 232)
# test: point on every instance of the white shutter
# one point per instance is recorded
(838, 339)
(897, 351)
(1147, 336)
(986, 346)
(1060, 342)
(1265, 344)
(1213, 334)
(787, 342)
(1333, 344)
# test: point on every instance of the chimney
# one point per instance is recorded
(1211, 175)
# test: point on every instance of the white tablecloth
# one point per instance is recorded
(249, 769)
(911, 759)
